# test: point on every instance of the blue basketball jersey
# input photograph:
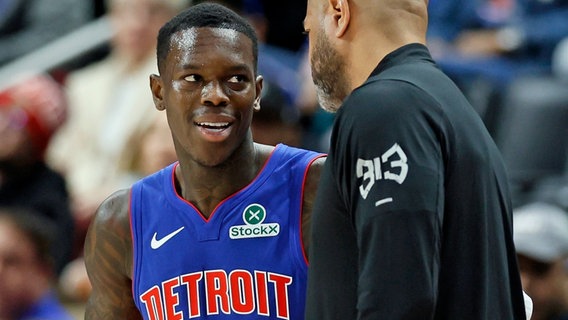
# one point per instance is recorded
(245, 262)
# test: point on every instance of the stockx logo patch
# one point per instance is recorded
(253, 216)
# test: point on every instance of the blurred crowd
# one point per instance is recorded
(510, 57)
(73, 134)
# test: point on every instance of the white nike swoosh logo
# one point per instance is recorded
(155, 243)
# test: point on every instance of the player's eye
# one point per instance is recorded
(192, 78)
(237, 79)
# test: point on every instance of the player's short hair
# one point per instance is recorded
(207, 14)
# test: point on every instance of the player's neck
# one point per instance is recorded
(206, 187)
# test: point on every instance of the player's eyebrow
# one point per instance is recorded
(189, 66)
(240, 67)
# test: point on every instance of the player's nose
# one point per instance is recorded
(214, 94)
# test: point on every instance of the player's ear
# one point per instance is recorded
(341, 16)
(258, 83)
(157, 92)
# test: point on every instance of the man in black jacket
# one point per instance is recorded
(413, 216)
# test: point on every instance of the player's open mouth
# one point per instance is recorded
(214, 131)
(213, 126)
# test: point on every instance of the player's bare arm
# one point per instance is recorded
(108, 258)
(310, 189)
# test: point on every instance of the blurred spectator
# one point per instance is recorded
(26, 25)
(110, 107)
(26, 267)
(156, 148)
(541, 241)
(483, 45)
(30, 112)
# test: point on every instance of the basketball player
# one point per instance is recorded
(412, 219)
(221, 233)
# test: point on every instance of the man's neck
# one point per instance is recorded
(205, 187)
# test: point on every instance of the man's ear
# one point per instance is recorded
(341, 16)
(259, 83)
(157, 92)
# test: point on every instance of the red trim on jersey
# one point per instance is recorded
(224, 200)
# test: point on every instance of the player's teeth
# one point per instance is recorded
(214, 124)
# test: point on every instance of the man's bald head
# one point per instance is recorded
(397, 20)
(359, 31)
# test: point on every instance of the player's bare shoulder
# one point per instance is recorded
(310, 189)
(115, 207)
(108, 258)
(311, 184)
(111, 226)
(313, 176)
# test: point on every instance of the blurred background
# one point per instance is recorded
(77, 119)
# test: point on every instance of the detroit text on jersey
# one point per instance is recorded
(240, 292)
